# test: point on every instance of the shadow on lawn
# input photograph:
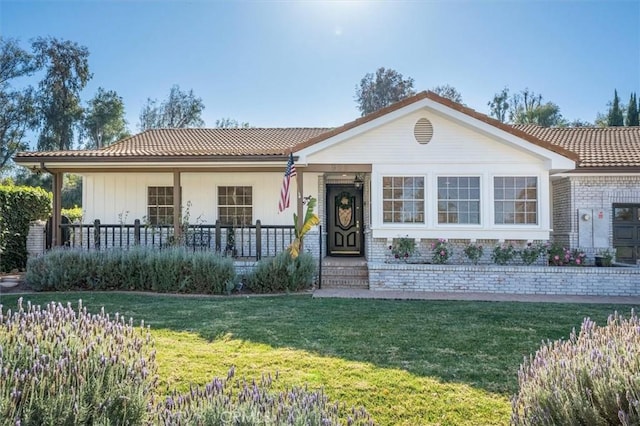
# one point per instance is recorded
(477, 343)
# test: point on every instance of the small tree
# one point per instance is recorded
(310, 220)
(615, 118)
(499, 105)
(449, 92)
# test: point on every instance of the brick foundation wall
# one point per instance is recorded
(505, 279)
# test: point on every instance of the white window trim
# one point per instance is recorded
(447, 226)
(515, 226)
(380, 209)
(217, 205)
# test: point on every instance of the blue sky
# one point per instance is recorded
(296, 63)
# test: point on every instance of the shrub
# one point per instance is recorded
(61, 366)
(441, 252)
(19, 205)
(503, 254)
(561, 256)
(282, 273)
(227, 402)
(403, 248)
(531, 253)
(74, 214)
(591, 379)
(473, 252)
(170, 270)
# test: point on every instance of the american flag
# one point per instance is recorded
(286, 184)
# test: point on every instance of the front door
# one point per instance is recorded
(344, 220)
(626, 232)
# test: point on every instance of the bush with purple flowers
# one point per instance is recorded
(403, 248)
(64, 366)
(473, 252)
(593, 378)
(440, 251)
(562, 256)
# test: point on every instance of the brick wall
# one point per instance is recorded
(505, 279)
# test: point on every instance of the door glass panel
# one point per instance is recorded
(623, 213)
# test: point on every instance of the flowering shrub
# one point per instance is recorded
(225, 402)
(441, 251)
(64, 366)
(591, 379)
(561, 256)
(61, 366)
(503, 254)
(403, 248)
(473, 252)
(532, 252)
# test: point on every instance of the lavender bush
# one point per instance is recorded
(169, 270)
(591, 379)
(64, 366)
(61, 366)
(229, 402)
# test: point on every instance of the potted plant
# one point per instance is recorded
(604, 258)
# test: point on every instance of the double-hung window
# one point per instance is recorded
(235, 205)
(403, 199)
(458, 200)
(160, 205)
(515, 200)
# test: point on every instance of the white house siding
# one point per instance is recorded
(455, 150)
(122, 197)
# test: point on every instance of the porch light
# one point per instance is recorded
(358, 181)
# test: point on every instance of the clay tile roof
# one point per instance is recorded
(597, 147)
(196, 143)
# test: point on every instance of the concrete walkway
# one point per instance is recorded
(488, 297)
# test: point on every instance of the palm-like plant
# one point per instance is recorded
(310, 220)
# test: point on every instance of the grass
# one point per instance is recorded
(407, 362)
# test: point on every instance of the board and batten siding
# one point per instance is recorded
(456, 149)
(122, 197)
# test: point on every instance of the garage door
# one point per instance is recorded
(626, 232)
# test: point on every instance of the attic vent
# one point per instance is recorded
(423, 131)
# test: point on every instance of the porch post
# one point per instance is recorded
(177, 202)
(56, 218)
(300, 199)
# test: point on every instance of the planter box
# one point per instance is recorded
(560, 280)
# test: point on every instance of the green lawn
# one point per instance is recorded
(407, 362)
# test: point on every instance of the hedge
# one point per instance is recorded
(19, 206)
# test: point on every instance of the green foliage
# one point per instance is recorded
(503, 254)
(593, 378)
(74, 214)
(440, 252)
(473, 252)
(179, 110)
(561, 256)
(61, 366)
(499, 105)
(282, 273)
(172, 270)
(606, 257)
(384, 88)
(66, 73)
(527, 107)
(633, 116)
(532, 252)
(615, 117)
(449, 92)
(103, 122)
(17, 112)
(403, 248)
(310, 220)
(19, 205)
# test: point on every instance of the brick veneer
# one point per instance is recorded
(505, 279)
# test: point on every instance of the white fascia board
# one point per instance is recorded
(598, 174)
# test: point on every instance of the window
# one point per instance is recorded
(235, 205)
(515, 200)
(160, 205)
(459, 200)
(403, 199)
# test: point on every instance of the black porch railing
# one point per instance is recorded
(252, 241)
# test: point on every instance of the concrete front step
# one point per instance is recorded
(346, 284)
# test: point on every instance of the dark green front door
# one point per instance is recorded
(344, 220)
(626, 232)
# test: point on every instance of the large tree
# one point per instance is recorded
(633, 119)
(179, 110)
(17, 113)
(66, 68)
(615, 117)
(231, 123)
(449, 92)
(382, 89)
(104, 121)
(527, 107)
